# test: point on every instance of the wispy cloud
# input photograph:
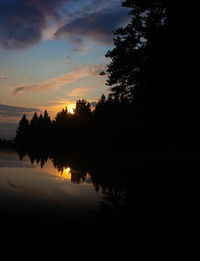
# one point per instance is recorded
(95, 23)
(81, 92)
(14, 111)
(94, 27)
(57, 82)
(9, 116)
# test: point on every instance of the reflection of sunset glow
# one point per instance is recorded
(67, 170)
(68, 173)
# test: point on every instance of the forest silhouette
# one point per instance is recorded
(152, 100)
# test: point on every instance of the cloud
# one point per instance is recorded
(22, 22)
(96, 27)
(9, 116)
(55, 83)
(50, 7)
(14, 111)
(3, 77)
(81, 92)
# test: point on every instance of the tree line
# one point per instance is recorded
(153, 98)
(83, 129)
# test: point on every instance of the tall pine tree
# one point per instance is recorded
(149, 65)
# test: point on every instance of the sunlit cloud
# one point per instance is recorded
(57, 82)
(81, 92)
(49, 31)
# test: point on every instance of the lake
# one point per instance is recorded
(37, 187)
(80, 190)
(88, 197)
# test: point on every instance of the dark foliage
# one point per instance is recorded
(152, 65)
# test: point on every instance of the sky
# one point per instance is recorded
(52, 53)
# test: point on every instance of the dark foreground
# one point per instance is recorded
(155, 189)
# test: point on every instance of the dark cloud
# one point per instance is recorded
(9, 114)
(22, 21)
(48, 7)
(97, 27)
(20, 24)
(14, 111)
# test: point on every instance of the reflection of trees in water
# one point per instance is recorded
(21, 153)
(78, 177)
(109, 180)
(34, 156)
(115, 201)
(111, 183)
(114, 187)
(61, 163)
(40, 158)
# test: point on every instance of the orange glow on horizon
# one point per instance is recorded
(53, 110)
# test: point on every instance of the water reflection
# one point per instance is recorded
(106, 179)
(112, 189)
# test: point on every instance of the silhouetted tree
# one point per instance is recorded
(34, 120)
(40, 128)
(41, 120)
(61, 117)
(46, 126)
(101, 104)
(47, 119)
(22, 133)
(34, 126)
(148, 62)
(83, 109)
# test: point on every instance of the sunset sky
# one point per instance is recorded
(51, 54)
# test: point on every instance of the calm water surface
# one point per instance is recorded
(46, 187)
(66, 187)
